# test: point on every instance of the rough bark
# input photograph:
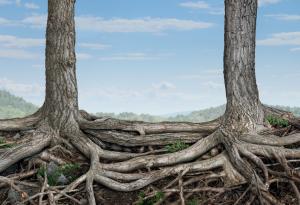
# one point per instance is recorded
(244, 110)
(61, 103)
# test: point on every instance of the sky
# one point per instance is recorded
(155, 57)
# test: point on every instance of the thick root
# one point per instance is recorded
(235, 165)
(20, 124)
(128, 140)
(148, 128)
(32, 144)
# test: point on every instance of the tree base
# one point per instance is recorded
(132, 156)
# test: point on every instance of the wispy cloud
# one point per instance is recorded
(138, 56)
(31, 6)
(83, 56)
(18, 54)
(10, 41)
(202, 5)
(94, 46)
(142, 25)
(266, 2)
(5, 2)
(4, 21)
(285, 17)
(35, 21)
(163, 86)
(204, 75)
(195, 5)
(120, 25)
(281, 39)
(295, 49)
(21, 89)
(213, 85)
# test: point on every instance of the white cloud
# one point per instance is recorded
(16, 42)
(35, 21)
(146, 25)
(285, 17)
(31, 6)
(217, 11)
(163, 86)
(18, 2)
(122, 25)
(5, 2)
(205, 75)
(201, 5)
(4, 21)
(213, 85)
(21, 89)
(266, 2)
(195, 5)
(137, 56)
(281, 39)
(295, 49)
(94, 46)
(83, 56)
(129, 57)
(18, 54)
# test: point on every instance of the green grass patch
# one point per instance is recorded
(4, 144)
(68, 170)
(277, 122)
(156, 198)
(193, 201)
(177, 146)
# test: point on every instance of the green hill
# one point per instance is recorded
(12, 106)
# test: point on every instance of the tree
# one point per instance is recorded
(59, 122)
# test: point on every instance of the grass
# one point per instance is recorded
(277, 122)
(177, 146)
(68, 170)
(157, 197)
(193, 201)
(4, 144)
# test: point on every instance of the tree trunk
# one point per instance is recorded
(61, 103)
(244, 111)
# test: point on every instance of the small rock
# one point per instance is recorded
(13, 196)
(62, 179)
(83, 201)
(214, 152)
(17, 136)
(51, 168)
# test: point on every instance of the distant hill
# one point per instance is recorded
(12, 106)
(195, 116)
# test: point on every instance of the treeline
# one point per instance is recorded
(195, 116)
(12, 106)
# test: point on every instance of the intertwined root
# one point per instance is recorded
(142, 159)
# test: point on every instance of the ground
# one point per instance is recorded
(28, 178)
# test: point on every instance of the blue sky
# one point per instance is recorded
(153, 56)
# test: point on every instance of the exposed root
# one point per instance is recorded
(236, 165)
(32, 144)
(148, 128)
(19, 124)
(128, 140)
(271, 139)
